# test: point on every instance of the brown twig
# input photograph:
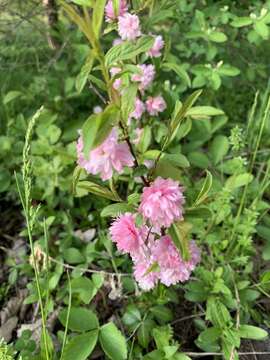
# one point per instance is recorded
(145, 181)
(86, 270)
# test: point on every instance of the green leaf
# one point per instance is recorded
(201, 212)
(261, 29)
(237, 181)
(228, 70)
(84, 287)
(181, 112)
(84, 73)
(210, 335)
(241, 21)
(113, 342)
(162, 313)
(73, 256)
(179, 232)
(176, 159)
(217, 313)
(80, 319)
(154, 355)
(98, 190)
(80, 347)
(219, 148)
(217, 37)
(199, 159)
(128, 50)
(98, 14)
(97, 128)
(132, 317)
(83, 2)
(203, 111)
(252, 332)
(179, 70)
(114, 210)
(181, 356)
(144, 332)
(203, 194)
(128, 101)
(167, 170)
(11, 95)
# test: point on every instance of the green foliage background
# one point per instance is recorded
(221, 47)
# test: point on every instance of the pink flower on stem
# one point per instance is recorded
(117, 82)
(172, 267)
(108, 156)
(139, 109)
(126, 235)
(129, 27)
(162, 203)
(109, 10)
(155, 51)
(155, 105)
(145, 76)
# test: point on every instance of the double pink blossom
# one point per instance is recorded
(162, 203)
(129, 27)
(110, 13)
(154, 259)
(139, 109)
(126, 235)
(155, 51)
(108, 156)
(173, 268)
(155, 105)
(145, 76)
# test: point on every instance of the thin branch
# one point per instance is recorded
(187, 318)
(86, 270)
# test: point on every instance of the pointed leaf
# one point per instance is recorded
(80, 347)
(113, 342)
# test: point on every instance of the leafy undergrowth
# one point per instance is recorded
(67, 292)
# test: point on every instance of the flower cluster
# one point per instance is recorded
(154, 255)
(129, 28)
(155, 258)
(110, 155)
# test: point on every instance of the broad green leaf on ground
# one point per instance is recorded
(80, 347)
(80, 319)
(113, 342)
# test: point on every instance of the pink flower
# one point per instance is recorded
(145, 280)
(117, 41)
(129, 27)
(97, 109)
(139, 109)
(155, 51)
(145, 76)
(125, 234)
(118, 82)
(162, 203)
(172, 267)
(108, 156)
(109, 10)
(154, 105)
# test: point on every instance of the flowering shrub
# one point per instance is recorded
(157, 252)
